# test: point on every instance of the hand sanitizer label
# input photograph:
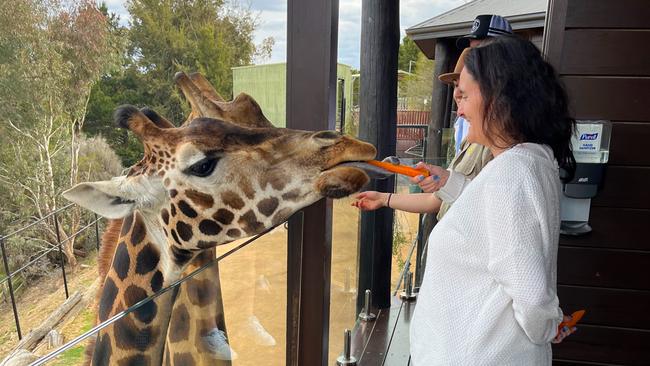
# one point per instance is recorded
(586, 142)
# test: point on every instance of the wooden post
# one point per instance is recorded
(377, 125)
(311, 105)
(439, 100)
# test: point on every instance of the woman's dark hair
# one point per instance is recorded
(524, 100)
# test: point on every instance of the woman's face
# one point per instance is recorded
(470, 106)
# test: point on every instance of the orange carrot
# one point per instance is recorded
(575, 318)
(399, 169)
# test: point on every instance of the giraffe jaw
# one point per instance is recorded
(341, 181)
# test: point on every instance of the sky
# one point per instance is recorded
(272, 16)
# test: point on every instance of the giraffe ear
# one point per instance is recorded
(104, 198)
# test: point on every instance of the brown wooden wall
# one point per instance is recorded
(601, 51)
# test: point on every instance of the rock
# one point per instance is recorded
(21, 357)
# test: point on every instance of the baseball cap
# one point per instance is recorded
(484, 26)
(449, 77)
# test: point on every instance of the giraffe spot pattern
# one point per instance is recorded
(201, 292)
(276, 178)
(109, 293)
(181, 256)
(165, 216)
(292, 195)
(126, 225)
(246, 187)
(206, 244)
(234, 233)
(184, 231)
(267, 206)
(175, 236)
(180, 329)
(172, 208)
(173, 193)
(185, 359)
(156, 281)
(135, 360)
(249, 223)
(139, 230)
(146, 312)
(209, 227)
(202, 200)
(232, 199)
(281, 216)
(121, 261)
(186, 209)
(102, 352)
(128, 336)
(147, 259)
(223, 216)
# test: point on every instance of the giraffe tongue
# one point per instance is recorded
(374, 172)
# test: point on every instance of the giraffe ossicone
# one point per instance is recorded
(206, 183)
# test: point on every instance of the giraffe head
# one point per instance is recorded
(211, 181)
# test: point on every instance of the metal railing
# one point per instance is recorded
(58, 247)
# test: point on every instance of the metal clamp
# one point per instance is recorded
(365, 314)
(408, 294)
(346, 358)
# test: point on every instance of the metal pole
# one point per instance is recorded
(97, 230)
(11, 287)
(58, 239)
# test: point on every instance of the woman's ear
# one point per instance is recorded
(103, 198)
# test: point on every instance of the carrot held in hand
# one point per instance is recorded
(399, 169)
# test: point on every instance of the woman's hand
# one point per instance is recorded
(436, 179)
(370, 200)
(565, 331)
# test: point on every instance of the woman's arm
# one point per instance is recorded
(519, 258)
(415, 202)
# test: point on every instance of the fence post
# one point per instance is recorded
(58, 239)
(11, 287)
(97, 230)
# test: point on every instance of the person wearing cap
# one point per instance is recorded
(469, 158)
(489, 291)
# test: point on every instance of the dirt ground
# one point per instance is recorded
(254, 288)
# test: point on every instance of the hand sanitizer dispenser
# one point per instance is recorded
(591, 150)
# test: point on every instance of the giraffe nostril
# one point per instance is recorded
(327, 135)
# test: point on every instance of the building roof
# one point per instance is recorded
(522, 14)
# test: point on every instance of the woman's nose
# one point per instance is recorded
(461, 111)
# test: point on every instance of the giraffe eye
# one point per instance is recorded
(202, 168)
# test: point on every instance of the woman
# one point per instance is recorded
(488, 295)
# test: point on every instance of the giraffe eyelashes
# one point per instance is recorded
(203, 167)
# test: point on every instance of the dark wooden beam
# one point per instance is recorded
(440, 99)
(377, 125)
(312, 35)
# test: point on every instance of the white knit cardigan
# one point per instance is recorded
(488, 295)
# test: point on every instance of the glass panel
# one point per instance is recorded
(405, 229)
(345, 270)
(254, 288)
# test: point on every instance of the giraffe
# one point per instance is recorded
(198, 186)
(208, 344)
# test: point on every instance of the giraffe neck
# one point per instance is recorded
(142, 265)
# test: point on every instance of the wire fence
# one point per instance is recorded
(50, 356)
(45, 220)
(58, 247)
